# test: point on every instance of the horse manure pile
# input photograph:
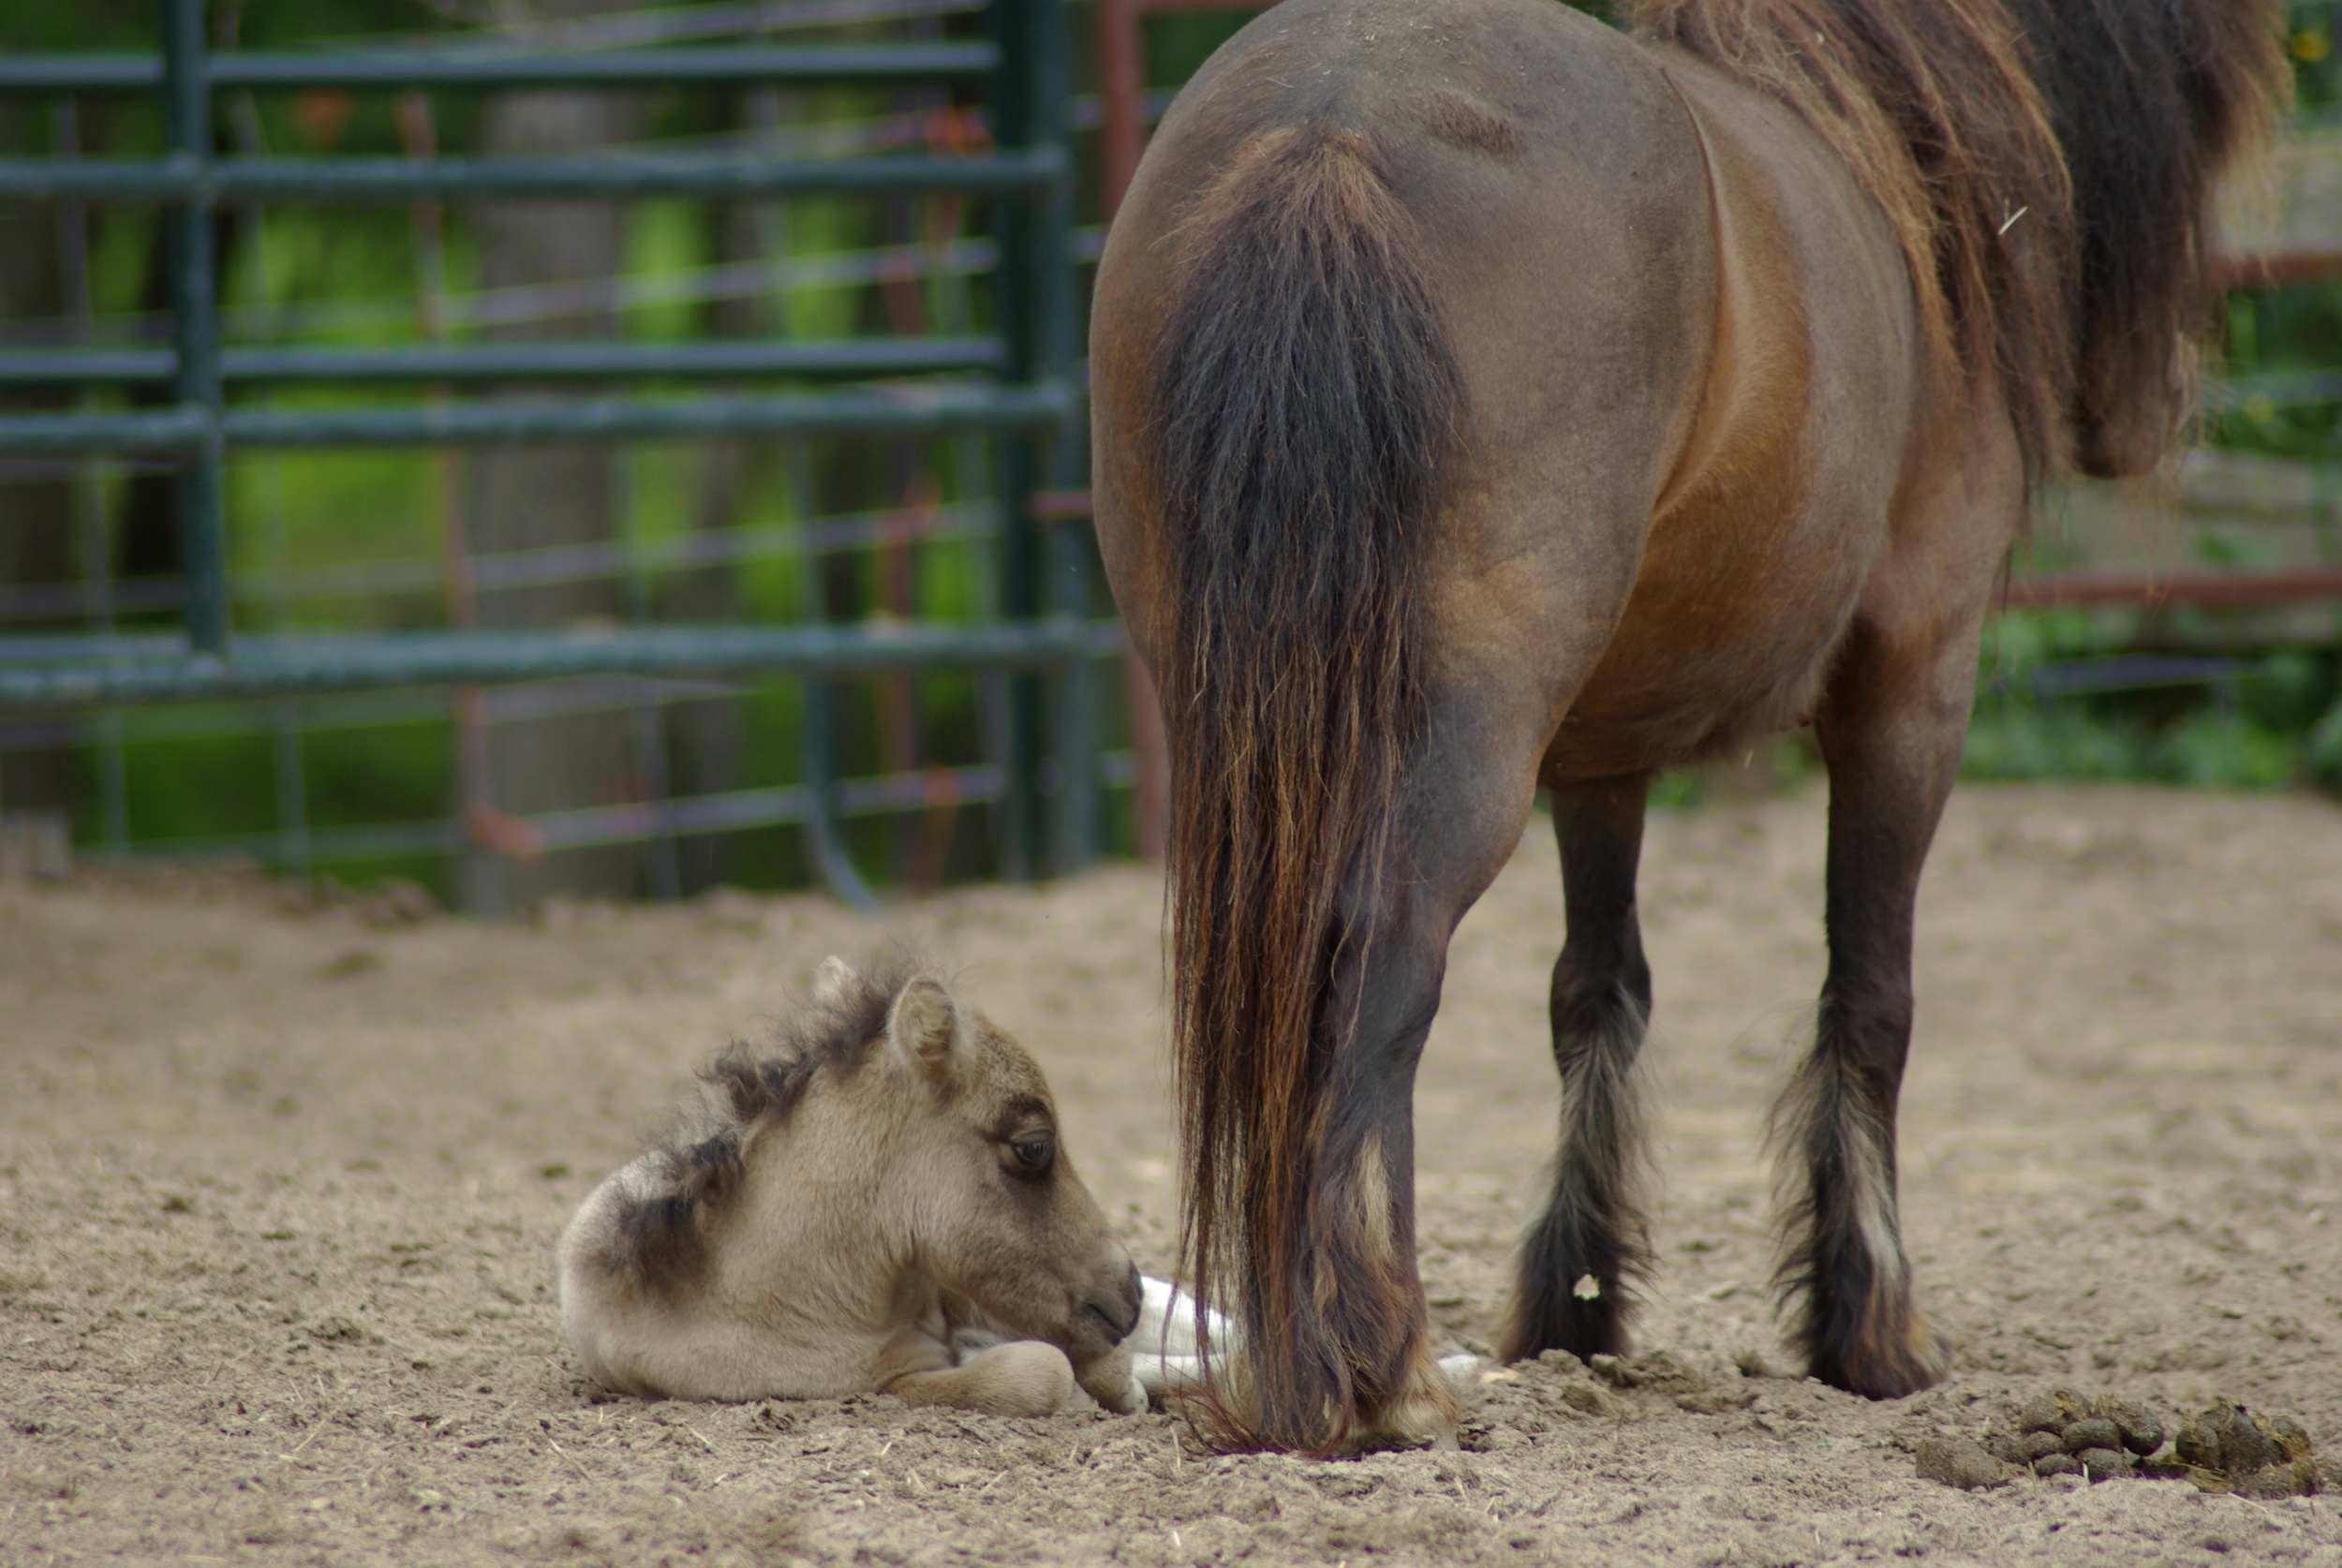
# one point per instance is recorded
(2229, 1448)
(2225, 1448)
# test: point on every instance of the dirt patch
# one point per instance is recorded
(282, 1183)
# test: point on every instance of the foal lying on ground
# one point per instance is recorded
(878, 1204)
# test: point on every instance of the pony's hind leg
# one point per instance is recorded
(1581, 1256)
(1892, 755)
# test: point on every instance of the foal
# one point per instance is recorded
(877, 1205)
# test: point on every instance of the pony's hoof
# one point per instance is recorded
(1903, 1365)
(1423, 1413)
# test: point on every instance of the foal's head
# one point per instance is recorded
(891, 1129)
(995, 1212)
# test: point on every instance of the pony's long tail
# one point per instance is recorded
(1307, 404)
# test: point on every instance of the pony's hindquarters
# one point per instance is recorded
(1370, 518)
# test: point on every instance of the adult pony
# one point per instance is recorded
(1488, 399)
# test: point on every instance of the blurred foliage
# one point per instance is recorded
(2263, 721)
(2296, 328)
(2277, 718)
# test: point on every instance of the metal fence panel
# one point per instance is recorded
(1023, 396)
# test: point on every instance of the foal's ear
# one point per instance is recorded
(924, 1025)
(832, 982)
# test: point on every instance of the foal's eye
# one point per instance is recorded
(1035, 1151)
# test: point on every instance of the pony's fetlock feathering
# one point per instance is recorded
(1486, 399)
(1843, 1269)
(879, 1202)
(1583, 1258)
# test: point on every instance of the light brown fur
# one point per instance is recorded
(883, 1234)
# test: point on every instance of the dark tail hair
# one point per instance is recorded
(2151, 102)
(1306, 402)
(2047, 165)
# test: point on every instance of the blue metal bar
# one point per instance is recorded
(460, 66)
(1062, 557)
(1033, 311)
(818, 750)
(166, 430)
(46, 367)
(616, 174)
(729, 812)
(76, 673)
(201, 486)
(817, 744)
(2133, 672)
(901, 411)
(537, 361)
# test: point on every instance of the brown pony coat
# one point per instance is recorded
(1484, 400)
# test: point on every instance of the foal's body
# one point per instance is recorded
(1692, 461)
(879, 1207)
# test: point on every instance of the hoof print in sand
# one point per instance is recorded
(2226, 1448)
(1522, 1403)
(1701, 1392)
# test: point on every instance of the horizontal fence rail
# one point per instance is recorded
(905, 411)
(596, 360)
(367, 179)
(68, 672)
(732, 811)
(423, 66)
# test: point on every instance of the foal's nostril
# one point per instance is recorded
(1119, 1308)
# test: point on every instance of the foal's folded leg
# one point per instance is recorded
(1113, 1382)
(1017, 1377)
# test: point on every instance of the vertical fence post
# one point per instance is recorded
(1121, 141)
(825, 837)
(88, 491)
(1074, 844)
(194, 314)
(1034, 304)
(1013, 476)
(1075, 722)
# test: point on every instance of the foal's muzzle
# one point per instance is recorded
(1116, 1307)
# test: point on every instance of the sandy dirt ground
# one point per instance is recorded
(280, 1182)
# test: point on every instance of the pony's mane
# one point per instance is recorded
(656, 1237)
(2047, 168)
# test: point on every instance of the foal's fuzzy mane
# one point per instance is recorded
(2047, 166)
(656, 1237)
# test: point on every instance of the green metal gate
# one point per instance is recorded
(1028, 404)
